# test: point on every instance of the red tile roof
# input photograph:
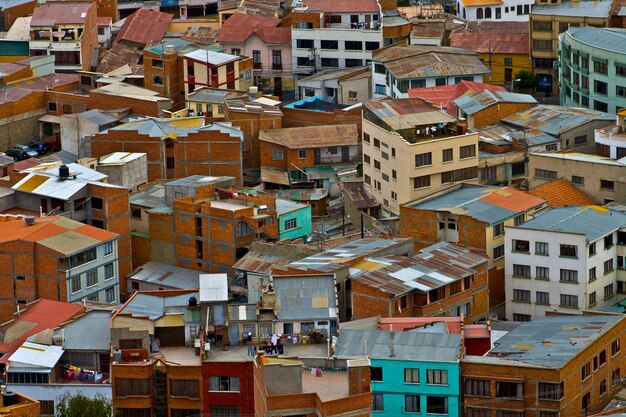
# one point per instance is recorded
(444, 96)
(46, 227)
(490, 42)
(60, 13)
(278, 35)
(562, 193)
(39, 316)
(239, 27)
(144, 26)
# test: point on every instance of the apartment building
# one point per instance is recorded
(611, 141)
(547, 21)
(441, 280)
(486, 108)
(68, 30)
(473, 217)
(412, 149)
(553, 365)
(494, 10)
(591, 73)
(205, 68)
(396, 69)
(566, 259)
(327, 34)
(57, 259)
(176, 147)
(345, 87)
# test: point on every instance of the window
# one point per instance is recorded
(304, 44)
(498, 229)
(518, 220)
(508, 62)
(577, 180)
(92, 277)
(277, 155)
(521, 246)
(521, 296)
(290, 224)
(366, 138)
(600, 66)
(608, 242)
(377, 164)
(108, 248)
(542, 298)
(521, 317)
(508, 389)
(109, 271)
(478, 388)
(366, 159)
(541, 272)
(542, 26)
(447, 155)
(421, 182)
(384, 155)
(592, 299)
(423, 159)
(372, 46)
(189, 388)
(606, 185)
(548, 391)
(586, 402)
(569, 251)
(329, 62)
(542, 45)
(301, 153)
(541, 248)
(569, 275)
(353, 45)
(157, 63)
(568, 300)
(394, 196)
(109, 295)
(326, 44)
(52, 106)
(543, 173)
(608, 266)
(615, 347)
(411, 376)
(468, 151)
(277, 59)
(82, 359)
(128, 387)
(27, 378)
(381, 89)
(228, 410)
(477, 412)
(498, 252)
(47, 407)
(394, 174)
(96, 203)
(376, 373)
(411, 404)
(521, 270)
(600, 106)
(377, 402)
(518, 168)
(224, 383)
(76, 284)
(600, 87)
(603, 387)
(457, 175)
(352, 95)
(602, 358)
(157, 80)
(67, 108)
(608, 291)
(385, 177)
(436, 405)
(437, 377)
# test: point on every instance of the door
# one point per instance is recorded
(317, 157)
(234, 334)
(44, 205)
(278, 87)
(171, 336)
(345, 154)
(288, 328)
(508, 74)
(105, 361)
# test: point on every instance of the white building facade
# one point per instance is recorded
(494, 10)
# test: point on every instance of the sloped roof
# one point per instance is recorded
(60, 13)
(153, 304)
(166, 275)
(173, 128)
(443, 96)
(343, 6)
(562, 193)
(200, 34)
(211, 57)
(473, 103)
(610, 39)
(312, 136)
(491, 205)
(35, 355)
(274, 36)
(91, 331)
(49, 184)
(556, 120)
(41, 315)
(490, 42)
(305, 297)
(262, 256)
(585, 8)
(144, 26)
(406, 113)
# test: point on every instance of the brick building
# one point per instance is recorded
(485, 108)
(555, 365)
(205, 68)
(11, 12)
(68, 30)
(473, 217)
(428, 284)
(177, 148)
(57, 259)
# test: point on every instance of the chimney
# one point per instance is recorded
(29, 220)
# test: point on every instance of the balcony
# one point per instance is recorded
(612, 135)
(257, 65)
(277, 67)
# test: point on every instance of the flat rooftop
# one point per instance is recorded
(331, 386)
(181, 355)
(240, 353)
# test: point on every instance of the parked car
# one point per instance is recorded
(31, 152)
(17, 154)
(40, 147)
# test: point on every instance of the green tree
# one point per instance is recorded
(79, 405)
(527, 80)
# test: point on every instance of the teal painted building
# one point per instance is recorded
(294, 219)
(413, 373)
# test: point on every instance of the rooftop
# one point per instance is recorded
(174, 128)
(345, 6)
(253, 107)
(407, 346)
(239, 27)
(478, 101)
(338, 74)
(550, 341)
(155, 304)
(408, 62)
(592, 221)
(149, 197)
(263, 256)
(119, 158)
(200, 34)
(60, 13)
(584, 8)
(562, 193)
(555, 120)
(144, 26)
(491, 42)
(312, 136)
(214, 95)
(195, 181)
(406, 113)
(609, 39)
(315, 104)
(166, 275)
(443, 96)
(91, 331)
(211, 57)
(582, 157)
(491, 205)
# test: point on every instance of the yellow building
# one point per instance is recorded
(550, 18)
(505, 54)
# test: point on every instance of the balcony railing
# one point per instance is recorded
(611, 133)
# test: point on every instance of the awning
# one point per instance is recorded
(50, 119)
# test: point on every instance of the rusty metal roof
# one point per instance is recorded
(275, 176)
(490, 42)
(144, 26)
(555, 120)
(343, 6)
(312, 136)
(263, 256)
(60, 13)
(443, 96)
(199, 34)
(405, 113)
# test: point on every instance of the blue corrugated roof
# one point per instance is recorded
(588, 8)
(610, 39)
(154, 306)
(295, 297)
(594, 222)
(89, 332)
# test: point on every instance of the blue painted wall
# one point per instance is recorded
(394, 388)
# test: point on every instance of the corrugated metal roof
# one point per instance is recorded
(60, 13)
(305, 298)
(69, 242)
(591, 221)
(263, 256)
(49, 184)
(312, 136)
(173, 128)
(552, 341)
(144, 26)
(36, 355)
(556, 120)
(198, 181)
(254, 107)
(150, 198)
(407, 346)
(287, 206)
(211, 57)
(154, 306)
(166, 275)
(275, 176)
(407, 113)
(491, 205)
(492, 43)
(473, 103)
(610, 39)
(213, 288)
(344, 6)
(89, 332)
(98, 117)
(302, 194)
(120, 158)
(214, 95)
(585, 8)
